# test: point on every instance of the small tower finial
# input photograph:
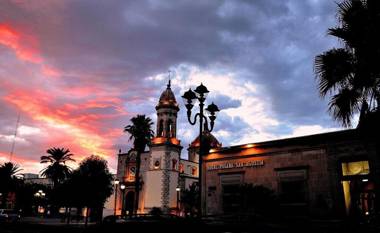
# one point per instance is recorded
(169, 82)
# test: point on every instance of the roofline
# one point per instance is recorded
(320, 137)
(188, 161)
(166, 144)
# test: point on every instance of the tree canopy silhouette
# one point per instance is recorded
(90, 185)
(57, 170)
(351, 74)
(8, 179)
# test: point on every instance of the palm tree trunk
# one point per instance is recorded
(137, 182)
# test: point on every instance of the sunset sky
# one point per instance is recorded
(77, 71)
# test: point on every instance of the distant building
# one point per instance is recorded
(31, 178)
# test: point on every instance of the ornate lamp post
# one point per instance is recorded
(190, 97)
(116, 183)
(122, 187)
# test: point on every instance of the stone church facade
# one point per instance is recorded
(163, 171)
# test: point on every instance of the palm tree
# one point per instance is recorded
(351, 75)
(57, 170)
(9, 170)
(141, 133)
(8, 179)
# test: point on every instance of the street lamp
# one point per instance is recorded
(122, 187)
(190, 97)
(178, 189)
(116, 183)
(40, 195)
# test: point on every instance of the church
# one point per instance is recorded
(164, 173)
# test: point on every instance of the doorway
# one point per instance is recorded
(129, 202)
(358, 189)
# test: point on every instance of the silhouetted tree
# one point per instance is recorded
(8, 180)
(141, 133)
(90, 185)
(257, 199)
(352, 74)
(189, 199)
(57, 171)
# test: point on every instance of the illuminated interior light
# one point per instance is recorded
(249, 146)
(212, 150)
(365, 180)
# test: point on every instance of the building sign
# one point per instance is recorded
(255, 163)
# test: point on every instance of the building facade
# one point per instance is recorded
(331, 174)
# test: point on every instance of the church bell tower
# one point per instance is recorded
(162, 176)
(167, 109)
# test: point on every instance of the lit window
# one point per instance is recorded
(194, 171)
(355, 168)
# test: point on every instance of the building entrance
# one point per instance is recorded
(129, 202)
(358, 189)
(231, 197)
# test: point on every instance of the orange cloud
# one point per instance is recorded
(23, 45)
(26, 47)
(79, 126)
(81, 130)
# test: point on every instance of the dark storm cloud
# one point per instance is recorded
(107, 49)
(225, 102)
(280, 51)
(118, 40)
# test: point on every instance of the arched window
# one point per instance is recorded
(169, 129)
(161, 129)
(174, 164)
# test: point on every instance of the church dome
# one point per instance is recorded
(208, 138)
(167, 99)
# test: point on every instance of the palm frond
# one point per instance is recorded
(344, 104)
(333, 68)
(46, 159)
(10, 169)
(57, 170)
(140, 131)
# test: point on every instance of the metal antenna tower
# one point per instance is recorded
(14, 138)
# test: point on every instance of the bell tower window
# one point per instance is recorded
(160, 131)
(170, 129)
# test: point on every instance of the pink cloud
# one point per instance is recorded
(25, 46)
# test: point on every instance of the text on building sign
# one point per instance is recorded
(255, 163)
